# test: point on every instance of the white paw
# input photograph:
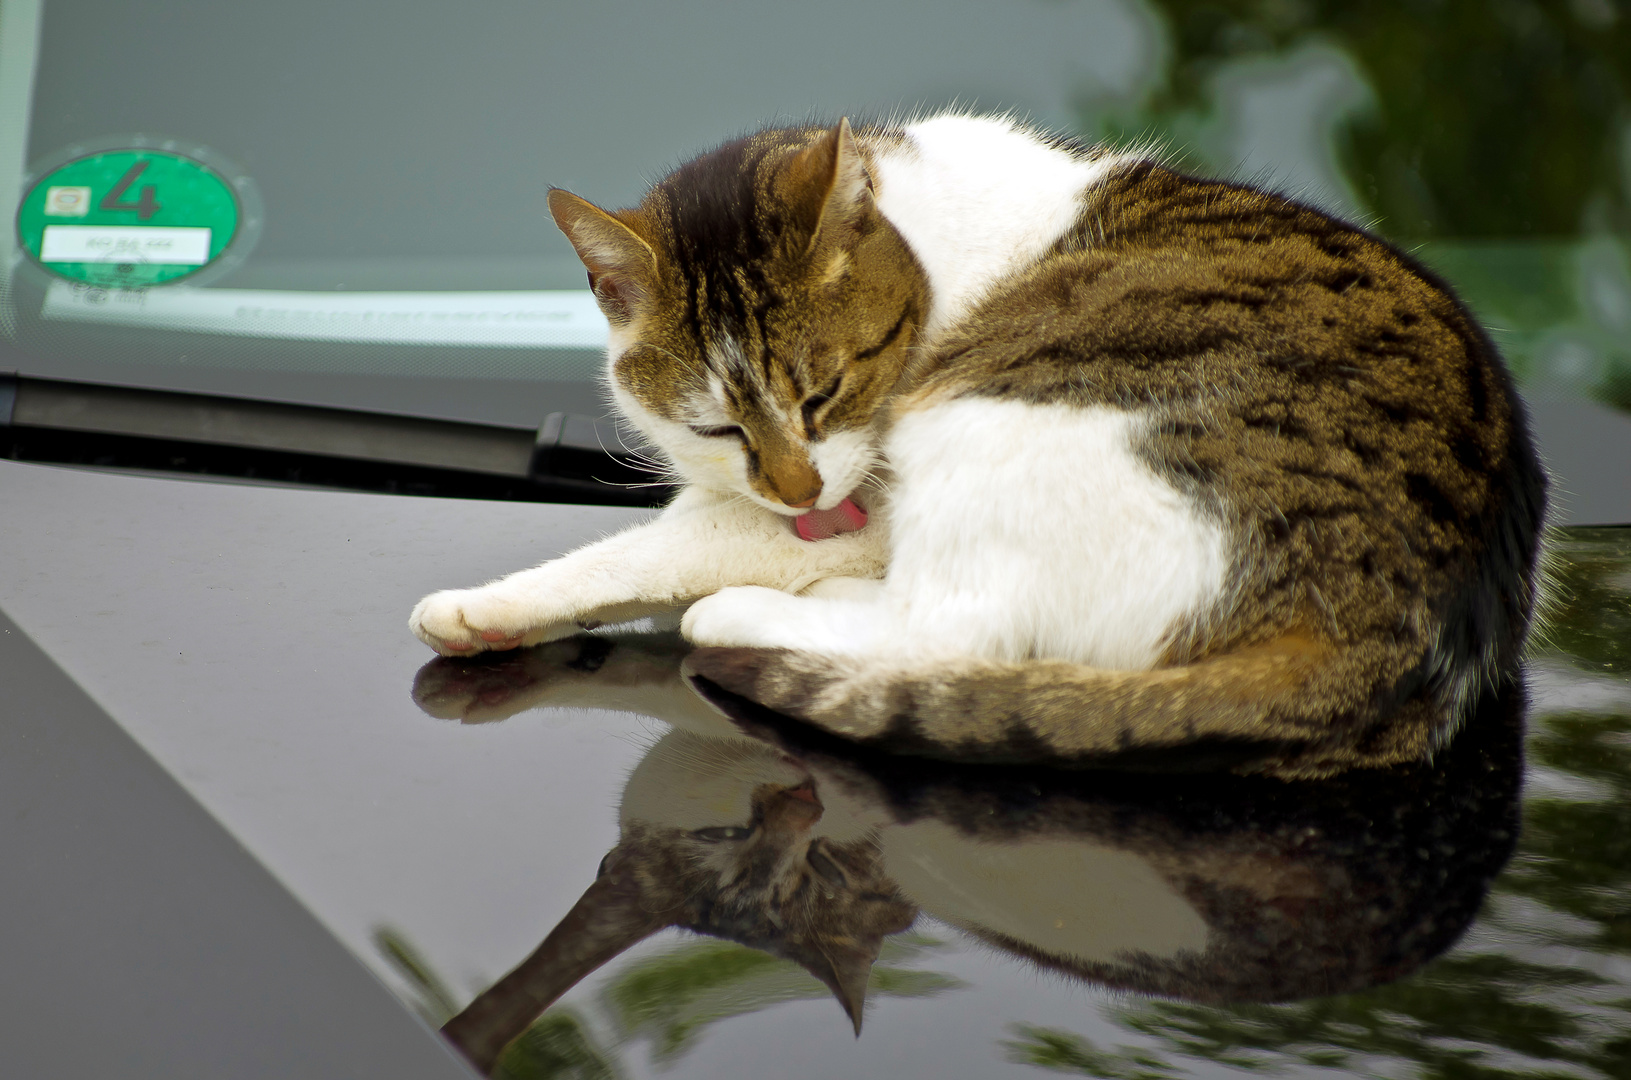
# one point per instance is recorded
(745, 615)
(458, 622)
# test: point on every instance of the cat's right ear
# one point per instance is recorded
(830, 184)
(622, 267)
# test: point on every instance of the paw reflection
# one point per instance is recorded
(638, 673)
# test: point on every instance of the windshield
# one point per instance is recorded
(398, 156)
(388, 247)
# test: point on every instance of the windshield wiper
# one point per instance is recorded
(570, 458)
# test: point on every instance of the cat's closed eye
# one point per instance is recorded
(888, 338)
(815, 401)
(822, 865)
(716, 834)
(721, 432)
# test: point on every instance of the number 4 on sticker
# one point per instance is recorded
(145, 206)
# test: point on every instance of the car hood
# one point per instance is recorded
(440, 817)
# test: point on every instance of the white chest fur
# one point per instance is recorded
(1017, 531)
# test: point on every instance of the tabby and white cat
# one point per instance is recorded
(999, 448)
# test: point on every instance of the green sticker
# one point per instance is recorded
(128, 218)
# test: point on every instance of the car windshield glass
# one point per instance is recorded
(379, 237)
(383, 240)
(393, 159)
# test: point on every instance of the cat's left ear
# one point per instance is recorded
(830, 185)
(622, 267)
(846, 971)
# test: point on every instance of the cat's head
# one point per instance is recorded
(771, 883)
(740, 842)
(726, 838)
(762, 310)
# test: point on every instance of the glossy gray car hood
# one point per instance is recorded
(253, 640)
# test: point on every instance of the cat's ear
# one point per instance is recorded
(830, 185)
(846, 968)
(617, 912)
(622, 267)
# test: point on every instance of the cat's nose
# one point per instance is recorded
(798, 492)
(789, 474)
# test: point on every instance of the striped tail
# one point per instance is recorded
(1293, 708)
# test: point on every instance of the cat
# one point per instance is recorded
(1000, 448)
(1232, 889)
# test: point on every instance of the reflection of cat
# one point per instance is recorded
(722, 836)
(1232, 890)
(628, 674)
(1150, 461)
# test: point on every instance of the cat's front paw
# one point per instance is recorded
(459, 622)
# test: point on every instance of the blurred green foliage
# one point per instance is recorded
(1490, 118)
(1497, 133)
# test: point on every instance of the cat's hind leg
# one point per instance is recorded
(838, 617)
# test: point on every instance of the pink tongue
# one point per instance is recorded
(826, 524)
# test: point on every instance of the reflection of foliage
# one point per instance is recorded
(1577, 858)
(436, 1002)
(1590, 622)
(1539, 988)
(1492, 117)
(556, 1045)
(672, 998)
(1062, 1051)
(1469, 1013)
